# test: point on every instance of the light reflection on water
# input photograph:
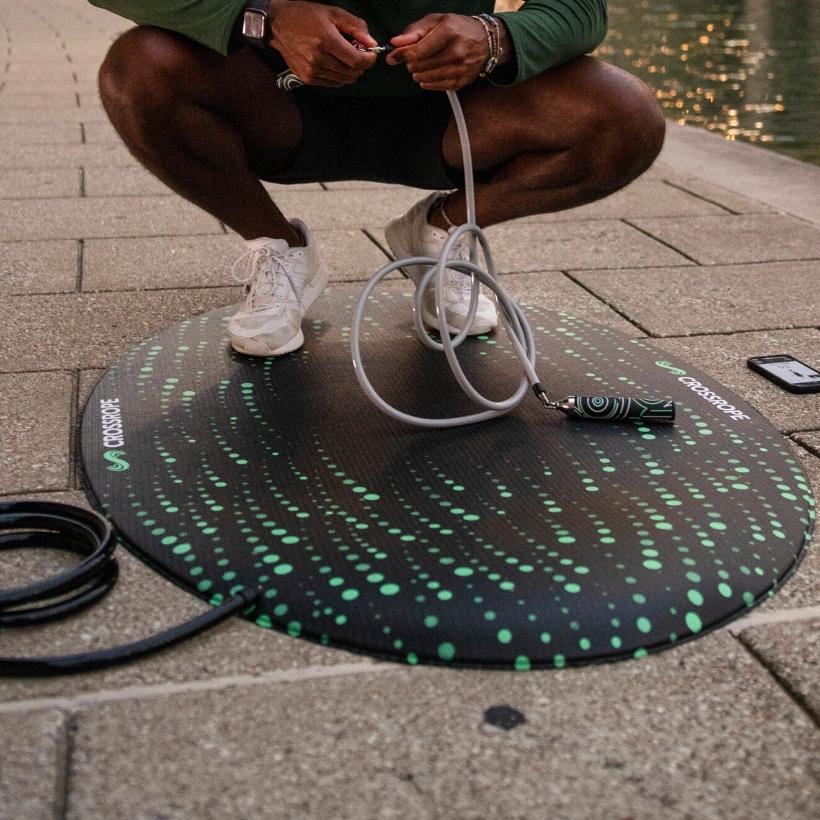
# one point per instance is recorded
(745, 68)
(749, 69)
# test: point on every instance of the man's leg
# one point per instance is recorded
(206, 125)
(569, 136)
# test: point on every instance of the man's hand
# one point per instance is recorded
(309, 38)
(443, 52)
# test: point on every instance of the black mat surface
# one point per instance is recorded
(528, 541)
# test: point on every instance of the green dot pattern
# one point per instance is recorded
(529, 542)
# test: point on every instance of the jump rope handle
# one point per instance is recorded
(618, 408)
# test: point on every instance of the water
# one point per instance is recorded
(748, 69)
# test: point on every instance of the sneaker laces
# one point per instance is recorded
(268, 280)
(459, 285)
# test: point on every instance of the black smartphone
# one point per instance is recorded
(788, 372)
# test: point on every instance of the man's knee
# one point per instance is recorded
(140, 77)
(630, 129)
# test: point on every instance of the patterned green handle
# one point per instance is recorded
(619, 408)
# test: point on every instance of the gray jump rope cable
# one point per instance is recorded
(608, 408)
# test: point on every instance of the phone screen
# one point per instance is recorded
(791, 371)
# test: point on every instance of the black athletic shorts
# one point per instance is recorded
(380, 139)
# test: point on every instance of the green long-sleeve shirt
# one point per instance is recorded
(544, 33)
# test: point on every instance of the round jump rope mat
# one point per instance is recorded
(531, 540)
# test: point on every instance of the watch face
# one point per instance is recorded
(253, 25)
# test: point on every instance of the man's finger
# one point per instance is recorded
(347, 54)
(353, 26)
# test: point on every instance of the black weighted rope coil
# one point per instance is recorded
(50, 525)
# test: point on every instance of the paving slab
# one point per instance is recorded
(646, 197)
(81, 217)
(724, 357)
(206, 261)
(35, 420)
(733, 239)
(56, 134)
(519, 247)
(811, 441)
(779, 181)
(127, 180)
(731, 201)
(42, 157)
(791, 651)
(38, 267)
(54, 102)
(92, 329)
(346, 209)
(32, 776)
(30, 184)
(693, 300)
(22, 116)
(420, 743)
(553, 290)
(100, 131)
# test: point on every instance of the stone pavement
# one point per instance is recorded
(714, 253)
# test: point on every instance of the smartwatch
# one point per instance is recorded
(255, 23)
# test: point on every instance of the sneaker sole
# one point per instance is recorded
(430, 319)
(253, 347)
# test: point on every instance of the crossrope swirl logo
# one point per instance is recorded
(117, 463)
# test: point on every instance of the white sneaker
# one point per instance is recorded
(282, 283)
(413, 235)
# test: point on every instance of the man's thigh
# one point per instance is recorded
(584, 102)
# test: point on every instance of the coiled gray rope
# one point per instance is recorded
(511, 315)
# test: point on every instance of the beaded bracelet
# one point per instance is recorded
(493, 41)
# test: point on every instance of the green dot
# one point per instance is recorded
(725, 590)
(283, 569)
(573, 588)
(504, 635)
(581, 570)
(695, 597)
(639, 653)
(546, 637)
(463, 571)
(644, 624)
(748, 598)
(444, 595)
(585, 643)
(693, 622)
(446, 651)
(389, 589)
(412, 658)
(181, 549)
(693, 577)
(522, 663)
(652, 564)
(431, 621)
(291, 539)
(204, 586)
(717, 525)
(489, 615)
(615, 641)
(350, 594)
(559, 661)
(372, 497)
